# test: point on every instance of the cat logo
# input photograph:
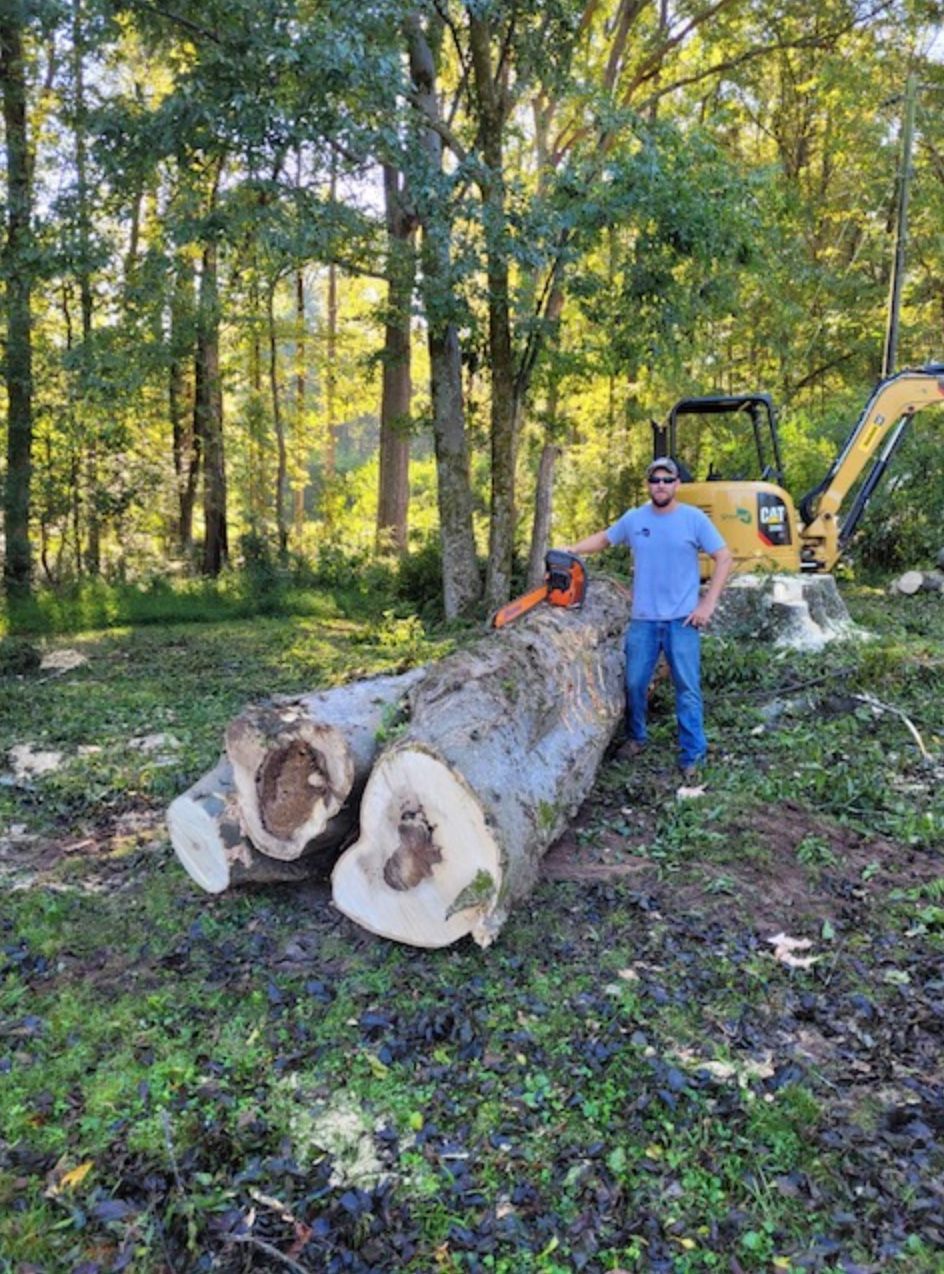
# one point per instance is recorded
(773, 515)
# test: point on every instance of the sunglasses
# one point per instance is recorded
(662, 482)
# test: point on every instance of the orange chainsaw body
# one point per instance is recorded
(565, 584)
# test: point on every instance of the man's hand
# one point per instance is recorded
(701, 614)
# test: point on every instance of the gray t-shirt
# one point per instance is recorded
(665, 549)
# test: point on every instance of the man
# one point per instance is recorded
(665, 537)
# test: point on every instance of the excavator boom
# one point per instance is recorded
(872, 440)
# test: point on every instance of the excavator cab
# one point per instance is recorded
(728, 452)
(730, 438)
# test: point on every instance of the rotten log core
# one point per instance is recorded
(415, 856)
(289, 782)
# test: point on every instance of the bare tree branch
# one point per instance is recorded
(439, 126)
(178, 20)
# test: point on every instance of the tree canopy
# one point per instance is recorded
(304, 278)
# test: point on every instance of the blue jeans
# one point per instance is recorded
(681, 643)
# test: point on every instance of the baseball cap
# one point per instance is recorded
(663, 462)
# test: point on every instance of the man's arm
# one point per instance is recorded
(595, 543)
(723, 559)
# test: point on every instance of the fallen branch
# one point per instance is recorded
(889, 707)
(269, 1250)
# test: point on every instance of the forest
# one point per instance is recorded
(304, 287)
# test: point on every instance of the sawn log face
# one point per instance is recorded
(503, 745)
(299, 765)
(208, 839)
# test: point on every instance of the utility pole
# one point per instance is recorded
(890, 353)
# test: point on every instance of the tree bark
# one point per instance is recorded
(541, 526)
(18, 272)
(208, 417)
(208, 839)
(503, 745)
(394, 481)
(299, 766)
(461, 583)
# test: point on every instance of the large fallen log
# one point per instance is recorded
(300, 765)
(208, 839)
(503, 744)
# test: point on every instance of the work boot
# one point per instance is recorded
(691, 771)
(629, 749)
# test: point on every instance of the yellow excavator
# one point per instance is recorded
(757, 517)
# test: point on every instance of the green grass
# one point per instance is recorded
(627, 1079)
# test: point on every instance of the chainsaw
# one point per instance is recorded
(565, 584)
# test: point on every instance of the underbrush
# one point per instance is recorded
(354, 582)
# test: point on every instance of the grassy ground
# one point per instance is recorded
(635, 1077)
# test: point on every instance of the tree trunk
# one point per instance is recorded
(541, 527)
(208, 414)
(281, 473)
(461, 583)
(331, 363)
(394, 482)
(299, 449)
(88, 371)
(503, 745)
(299, 766)
(504, 417)
(208, 840)
(184, 440)
(18, 270)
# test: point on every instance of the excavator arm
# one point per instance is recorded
(873, 439)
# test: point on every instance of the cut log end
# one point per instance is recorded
(426, 870)
(208, 838)
(199, 841)
(292, 777)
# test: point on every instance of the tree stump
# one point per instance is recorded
(300, 765)
(503, 744)
(802, 612)
(208, 840)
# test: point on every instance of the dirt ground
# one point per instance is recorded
(768, 889)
